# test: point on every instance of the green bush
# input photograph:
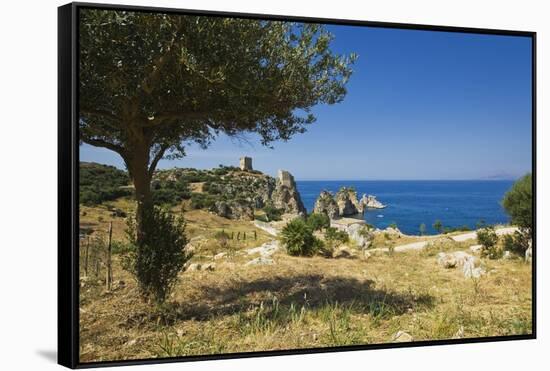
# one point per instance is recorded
(99, 183)
(156, 261)
(438, 226)
(334, 236)
(516, 243)
(298, 239)
(272, 213)
(488, 238)
(518, 203)
(170, 192)
(202, 201)
(318, 221)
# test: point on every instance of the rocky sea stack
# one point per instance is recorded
(345, 203)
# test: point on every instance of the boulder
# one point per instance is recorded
(455, 259)
(265, 250)
(446, 260)
(262, 260)
(357, 234)
(402, 337)
(476, 249)
(219, 256)
(234, 210)
(529, 252)
(470, 270)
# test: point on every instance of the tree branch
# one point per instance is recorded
(97, 112)
(175, 115)
(156, 159)
(104, 144)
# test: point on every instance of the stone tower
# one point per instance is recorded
(246, 163)
(286, 178)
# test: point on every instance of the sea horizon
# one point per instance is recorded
(410, 203)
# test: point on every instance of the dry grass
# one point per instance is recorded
(303, 303)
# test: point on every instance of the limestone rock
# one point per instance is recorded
(446, 260)
(261, 261)
(370, 202)
(219, 256)
(234, 210)
(455, 259)
(402, 337)
(358, 233)
(476, 249)
(286, 196)
(470, 270)
(325, 204)
(346, 198)
(265, 250)
(529, 253)
(507, 255)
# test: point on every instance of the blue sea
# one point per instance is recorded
(410, 203)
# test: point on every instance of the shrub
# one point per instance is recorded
(202, 201)
(518, 203)
(516, 243)
(438, 226)
(334, 236)
(422, 229)
(318, 221)
(488, 238)
(156, 261)
(99, 183)
(223, 239)
(298, 239)
(272, 213)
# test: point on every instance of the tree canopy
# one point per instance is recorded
(518, 202)
(157, 80)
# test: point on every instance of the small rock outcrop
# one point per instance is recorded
(234, 210)
(325, 204)
(360, 234)
(370, 202)
(402, 337)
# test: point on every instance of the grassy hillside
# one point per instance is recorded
(305, 302)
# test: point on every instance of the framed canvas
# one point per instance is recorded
(242, 185)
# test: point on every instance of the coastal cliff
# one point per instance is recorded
(235, 193)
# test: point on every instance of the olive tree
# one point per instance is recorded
(150, 83)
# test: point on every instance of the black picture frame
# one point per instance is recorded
(68, 175)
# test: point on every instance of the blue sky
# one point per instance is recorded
(420, 105)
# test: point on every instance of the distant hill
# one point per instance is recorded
(227, 191)
(100, 183)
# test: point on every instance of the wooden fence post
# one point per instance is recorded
(109, 273)
(86, 256)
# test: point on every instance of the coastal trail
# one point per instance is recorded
(458, 238)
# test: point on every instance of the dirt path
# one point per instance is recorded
(458, 238)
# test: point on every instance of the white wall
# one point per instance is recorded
(28, 181)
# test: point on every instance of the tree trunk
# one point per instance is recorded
(138, 167)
